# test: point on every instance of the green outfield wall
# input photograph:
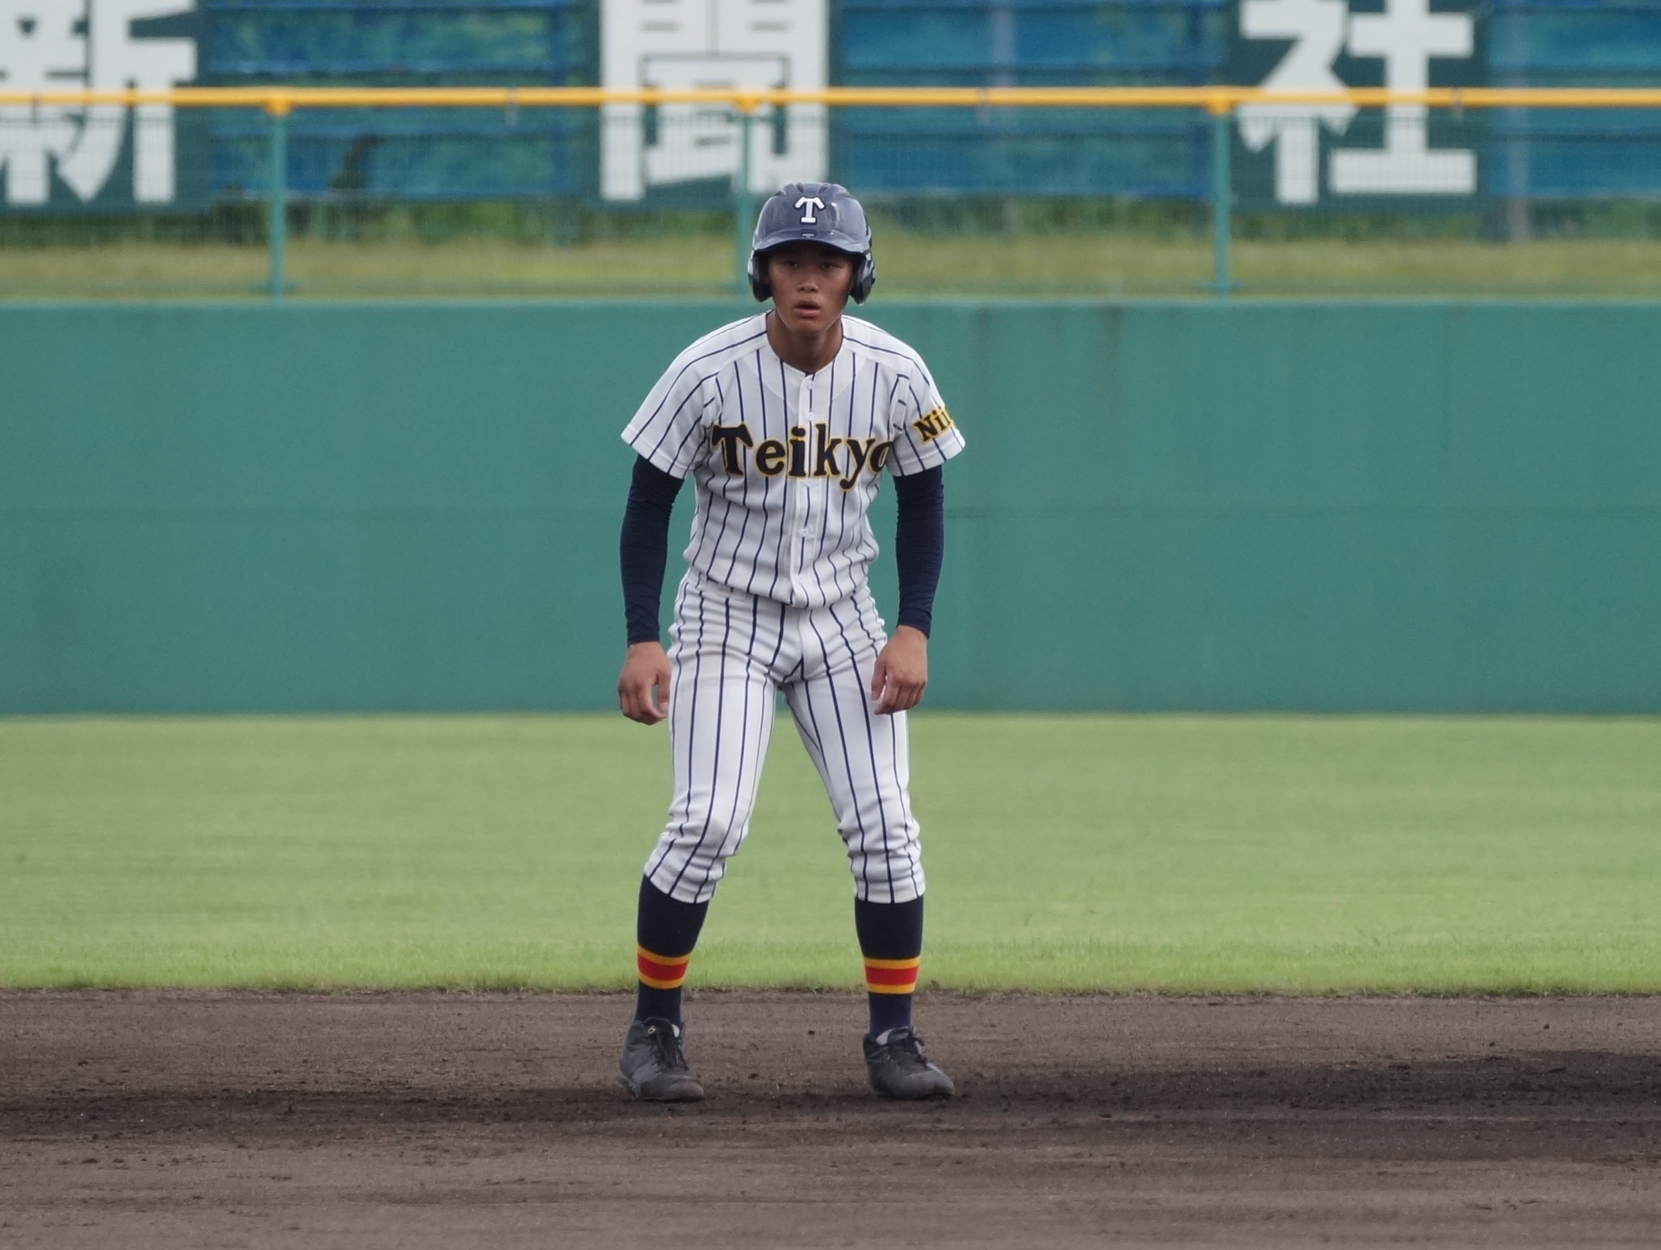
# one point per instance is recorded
(1328, 506)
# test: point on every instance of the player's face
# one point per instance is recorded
(810, 285)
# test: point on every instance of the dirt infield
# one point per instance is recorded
(171, 1120)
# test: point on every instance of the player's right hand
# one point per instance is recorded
(643, 686)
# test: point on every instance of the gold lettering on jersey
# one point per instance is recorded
(798, 451)
(770, 456)
(859, 449)
(931, 425)
(728, 438)
(824, 451)
(775, 456)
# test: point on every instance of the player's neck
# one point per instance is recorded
(806, 350)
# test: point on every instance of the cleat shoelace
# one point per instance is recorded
(908, 1050)
(667, 1047)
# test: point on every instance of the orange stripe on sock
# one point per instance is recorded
(891, 976)
(661, 972)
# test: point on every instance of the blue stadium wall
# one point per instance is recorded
(1189, 506)
(542, 154)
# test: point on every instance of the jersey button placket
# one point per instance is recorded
(798, 496)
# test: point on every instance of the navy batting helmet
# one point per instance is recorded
(813, 212)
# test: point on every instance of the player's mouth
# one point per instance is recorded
(807, 310)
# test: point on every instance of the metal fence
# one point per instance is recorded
(398, 191)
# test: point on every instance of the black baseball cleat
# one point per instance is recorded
(898, 1069)
(653, 1065)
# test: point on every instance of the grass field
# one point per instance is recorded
(1112, 853)
(909, 264)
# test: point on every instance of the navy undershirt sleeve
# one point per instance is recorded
(919, 543)
(644, 547)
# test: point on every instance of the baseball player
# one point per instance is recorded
(786, 422)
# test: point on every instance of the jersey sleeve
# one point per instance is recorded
(668, 430)
(925, 436)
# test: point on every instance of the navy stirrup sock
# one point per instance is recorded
(666, 930)
(891, 939)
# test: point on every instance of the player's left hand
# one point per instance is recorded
(902, 671)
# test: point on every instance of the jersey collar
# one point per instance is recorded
(836, 376)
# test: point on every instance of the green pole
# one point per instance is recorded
(743, 213)
(276, 232)
(1222, 179)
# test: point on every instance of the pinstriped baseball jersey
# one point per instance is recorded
(787, 464)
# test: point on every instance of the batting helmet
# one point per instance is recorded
(813, 212)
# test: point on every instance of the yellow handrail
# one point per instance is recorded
(1215, 100)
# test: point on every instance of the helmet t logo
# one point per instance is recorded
(809, 202)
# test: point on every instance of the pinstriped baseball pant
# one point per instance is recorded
(729, 653)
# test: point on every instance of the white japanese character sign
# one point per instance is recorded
(677, 45)
(67, 45)
(1405, 36)
(1316, 28)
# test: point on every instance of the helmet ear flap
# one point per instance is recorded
(866, 280)
(759, 286)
